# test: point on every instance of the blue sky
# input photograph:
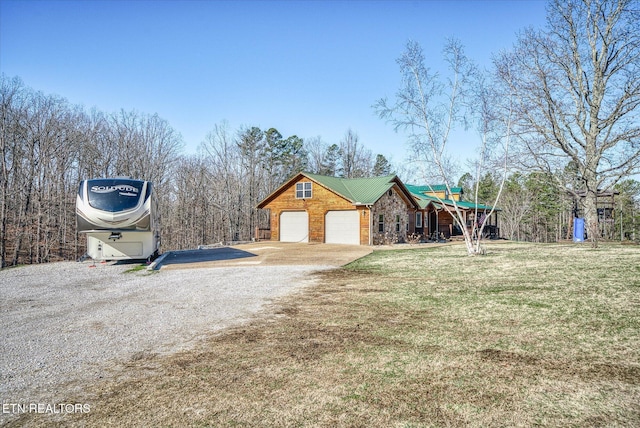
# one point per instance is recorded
(309, 68)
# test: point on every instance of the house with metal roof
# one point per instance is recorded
(438, 202)
(360, 211)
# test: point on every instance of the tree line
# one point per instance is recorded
(537, 207)
(48, 145)
(558, 118)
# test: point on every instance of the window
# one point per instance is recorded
(398, 223)
(114, 195)
(381, 223)
(303, 190)
(418, 219)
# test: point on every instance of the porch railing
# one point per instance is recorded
(263, 234)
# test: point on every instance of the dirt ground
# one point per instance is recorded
(270, 253)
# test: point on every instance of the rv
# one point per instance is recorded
(120, 218)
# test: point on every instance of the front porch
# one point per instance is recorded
(439, 224)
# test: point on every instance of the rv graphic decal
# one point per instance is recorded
(123, 189)
(119, 218)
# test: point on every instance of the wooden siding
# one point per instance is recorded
(443, 195)
(322, 200)
(446, 223)
(365, 229)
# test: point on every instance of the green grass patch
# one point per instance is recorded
(137, 268)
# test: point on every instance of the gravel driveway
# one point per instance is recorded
(67, 324)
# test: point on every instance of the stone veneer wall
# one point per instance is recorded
(390, 207)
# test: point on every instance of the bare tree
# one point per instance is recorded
(577, 89)
(222, 155)
(316, 149)
(189, 217)
(253, 143)
(429, 108)
(12, 110)
(515, 204)
(38, 140)
(331, 163)
(356, 160)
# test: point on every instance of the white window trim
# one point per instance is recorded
(419, 215)
(304, 190)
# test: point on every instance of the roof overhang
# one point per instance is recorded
(279, 190)
(408, 195)
(393, 181)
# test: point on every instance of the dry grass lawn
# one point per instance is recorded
(528, 335)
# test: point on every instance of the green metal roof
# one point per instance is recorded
(367, 191)
(358, 191)
(363, 191)
(433, 188)
(424, 200)
(461, 204)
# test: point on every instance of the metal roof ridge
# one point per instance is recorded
(347, 185)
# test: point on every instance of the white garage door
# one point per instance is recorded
(294, 226)
(342, 227)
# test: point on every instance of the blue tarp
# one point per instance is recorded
(578, 229)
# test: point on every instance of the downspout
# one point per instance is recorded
(370, 224)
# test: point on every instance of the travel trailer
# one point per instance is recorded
(120, 218)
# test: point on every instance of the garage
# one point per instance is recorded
(294, 226)
(342, 227)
